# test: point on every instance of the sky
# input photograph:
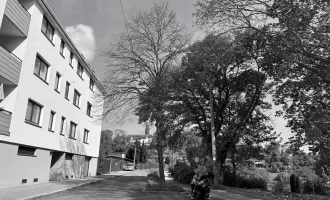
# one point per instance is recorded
(92, 24)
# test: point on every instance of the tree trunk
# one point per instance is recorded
(234, 168)
(160, 156)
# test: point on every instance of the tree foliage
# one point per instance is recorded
(139, 66)
(295, 54)
(238, 88)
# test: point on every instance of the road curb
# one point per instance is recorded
(65, 189)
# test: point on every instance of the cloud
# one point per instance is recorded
(84, 39)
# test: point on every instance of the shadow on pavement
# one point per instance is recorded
(120, 188)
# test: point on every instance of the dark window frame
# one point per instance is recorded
(57, 84)
(86, 136)
(42, 63)
(71, 59)
(48, 28)
(34, 103)
(62, 47)
(26, 151)
(75, 130)
(68, 156)
(75, 98)
(67, 90)
(89, 109)
(51, 123)
(80, 70)
(91, 84)
(63, 120)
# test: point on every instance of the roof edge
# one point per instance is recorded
(78, 54)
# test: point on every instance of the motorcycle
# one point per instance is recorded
(201, 187)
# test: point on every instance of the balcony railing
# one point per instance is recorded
(5, 118)
(10, 65)
(18, 15)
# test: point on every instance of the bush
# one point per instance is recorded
(274, 170)
(154, 175)
(295, 183)
(228, 179)
(279, 186)
(252, 182)
(283, 177)
(247, 179)
(314, 186)
(182, 172)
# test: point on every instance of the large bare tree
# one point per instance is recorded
(139, 64)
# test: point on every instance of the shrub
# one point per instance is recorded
(305, 173)
(154, 175)
(182, 172)
(314, 186)
(274, 170)
(228, 179)
(279, 186)
(247, 179)
(252, 182)
(295, 183)
(283, 177)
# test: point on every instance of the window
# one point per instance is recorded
(62, 125)
(62, 48)
(26, 151)
(67, 90)
(51, 121)
(91, 84)
(80, 70)
(41, 69)
(57, 82)
(71, 58)
(89, 109)
(68, 156)
(86, 136)
(73, 128)
(76, 98)
(47, 29)
(33, 112)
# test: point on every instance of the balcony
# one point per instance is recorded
(10, 67)
(5, 117)
(16, 21)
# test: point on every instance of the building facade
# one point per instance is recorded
(48, 124)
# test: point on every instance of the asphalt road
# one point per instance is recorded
(127, 187)
(130, 186)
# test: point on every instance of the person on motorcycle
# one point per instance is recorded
(201, 183)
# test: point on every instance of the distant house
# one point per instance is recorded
(114, 162)
(141, 138)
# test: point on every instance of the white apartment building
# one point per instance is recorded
(48, 128)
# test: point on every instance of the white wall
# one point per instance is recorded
(9, 102)
(2, 9)
(30, 86)
(18, 167)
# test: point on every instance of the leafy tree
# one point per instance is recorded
(295, 54)
(244, 151)
(238, 89)
(139, 65)
(140, 154)
(143, 154)
(105, 147)
(119, 144)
